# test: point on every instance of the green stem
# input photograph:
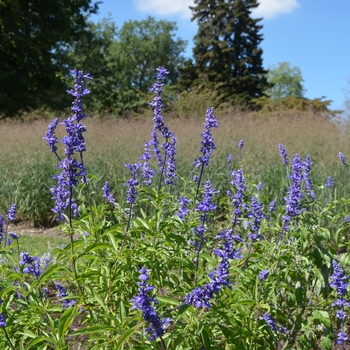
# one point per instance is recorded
(8, 339)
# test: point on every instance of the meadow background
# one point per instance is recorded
(27, 167)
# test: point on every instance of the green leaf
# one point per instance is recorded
(99, 328)
(125, 336)
(323, 317)
(168, 300)
(206, 339)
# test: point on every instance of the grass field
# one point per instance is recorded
(26, 165)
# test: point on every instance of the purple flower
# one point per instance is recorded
(260, 186)
(170, 152)
(342, 338)
(50, 136)
(144, 303)
(11, 213)
(206, 204)
(71, 168)
(238, 194)
(201, 296)
(132, 182)
(263, 275)
(342, 159)
(329, 182)
(255, 213)
(347, 218)
(283, 153)
(229, 158)
(306, 176)
(183, 210)
(272, 323)
(339, 281)
(208, 144)
(147, 171)
(13, 235)
(295, 195)
(272, 207)
(2, 320)
(240, 144)
(157, 104)
(107, 193)
(32, 264)
(1, 228)
(62, 293)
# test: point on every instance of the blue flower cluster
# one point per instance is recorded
(283, 153)
(272, 323)
(239, 188)
(201, 296)
(183, 210)
(62, 293)
(2, 320)
(208, 144)
(107, 193)
(32, 265)
(170, 139)
(342, 159)
(144, 303)
(133, 182)
(340, 282)
(71, 168)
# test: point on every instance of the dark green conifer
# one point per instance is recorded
(227, 56)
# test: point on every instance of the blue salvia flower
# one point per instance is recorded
(144, 303)
(201, 296)
(183, 210)
(347, 218)
(13, 235)
(283, 153)
(329, 182)
(71, 168)
(272, 323)
(208, 144)
(260, 186)
(306, 176)
(239, 188)
(342, 159)
(295, 194)
(170, 151)
(1, 228)
(3, 323)
(257, 215)
(230, 158)
(31, 264)
(206, 204)
(340, 282)
(263, 275)
(240, 144)
(147, 171)
(132, 182)
(50, 137)
(11, 213)
(272, 206)
(62, 293)
(157, 105)
(107, 193)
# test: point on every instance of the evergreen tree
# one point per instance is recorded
(227, 55)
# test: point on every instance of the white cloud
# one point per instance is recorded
(272, 8)
(267, 8)
(166, 7)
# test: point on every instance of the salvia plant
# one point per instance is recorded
(174, 265)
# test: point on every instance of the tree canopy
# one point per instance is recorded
(33, 35)
(286, 80)
(227, 55)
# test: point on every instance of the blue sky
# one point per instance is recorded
(311, 34)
